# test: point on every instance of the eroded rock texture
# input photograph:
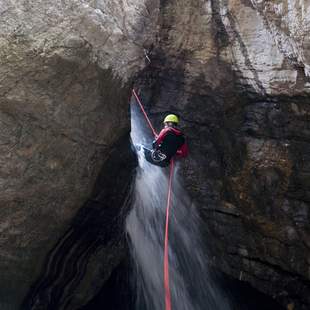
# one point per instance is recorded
(238, 74)
(83, 259)
(65, 73)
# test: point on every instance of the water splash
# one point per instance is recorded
(192, 285)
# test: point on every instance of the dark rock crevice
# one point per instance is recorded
(83, 258)
(66, 67)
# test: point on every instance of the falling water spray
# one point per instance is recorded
(192, 285)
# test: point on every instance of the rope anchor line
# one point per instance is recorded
(144, 113)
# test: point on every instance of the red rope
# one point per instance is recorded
(166, 249)
(144, 113)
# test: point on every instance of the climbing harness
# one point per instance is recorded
(169, 198)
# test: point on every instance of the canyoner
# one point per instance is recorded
(168, 145)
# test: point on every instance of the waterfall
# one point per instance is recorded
(192, 285)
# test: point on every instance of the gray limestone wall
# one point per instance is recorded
(65, 73)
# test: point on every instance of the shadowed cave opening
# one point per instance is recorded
(118, 293)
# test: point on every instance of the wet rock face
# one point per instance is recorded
(238, 74)
(65, 73)
(84, 257)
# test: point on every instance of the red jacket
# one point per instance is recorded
(182, 151)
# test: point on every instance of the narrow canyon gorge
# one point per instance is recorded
(238, 74)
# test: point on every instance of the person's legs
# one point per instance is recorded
(148, 156)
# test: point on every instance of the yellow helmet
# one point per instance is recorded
(171, 118)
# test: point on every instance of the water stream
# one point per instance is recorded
(192, 284)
